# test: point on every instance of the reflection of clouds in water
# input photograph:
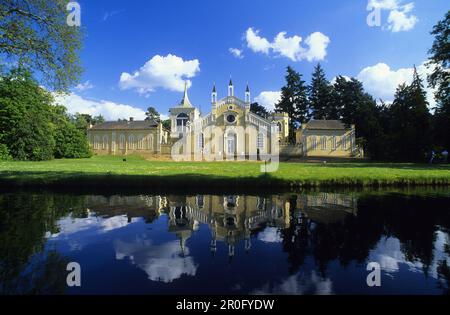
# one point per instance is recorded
(270, 235)
(76, 231)
(163, 262)
(389, 255)
(299, 284)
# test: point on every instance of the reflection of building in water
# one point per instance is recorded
(230, 218)
(147, 207)
(327, 207)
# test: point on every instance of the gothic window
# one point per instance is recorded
(313, 143)
(344, 142)
(200, 141)
(96, 142)
(132, 142)
(260, 141)
(140, 144)
(182, 120)
(105, 142)
(323, 143)
(122, 142)
(150, 142)
(279, 127)
(333, 142)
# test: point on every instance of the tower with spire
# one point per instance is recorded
(182, 115)
(230, 88)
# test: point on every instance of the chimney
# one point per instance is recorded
(131, 119)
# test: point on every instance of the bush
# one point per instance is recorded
(4, 153)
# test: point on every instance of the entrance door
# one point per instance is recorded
(231, 144)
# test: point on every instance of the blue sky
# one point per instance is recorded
(181, 40)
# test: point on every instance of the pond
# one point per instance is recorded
(314, 242)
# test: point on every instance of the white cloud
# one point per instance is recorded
(268, 99)
(257, 43)
(163, 263)
(236, 53)
(84, 86)
(400, 18)
(289, 47)
(167, 72)
(270, 235)
(381, 81)
(110, 110)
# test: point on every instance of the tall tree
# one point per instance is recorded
(440, 80)
(152, 114)
(409, 127)
(35, 34)
(259, 110)
(359, 108)
(320, 96)
(294, 100)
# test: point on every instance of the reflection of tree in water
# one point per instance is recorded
(414, 221)
(24, 221)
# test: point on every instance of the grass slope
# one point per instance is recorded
(113, 171)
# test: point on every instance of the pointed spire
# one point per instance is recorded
(231, 82)
(185, 102)
(247, 89)
(214, 88)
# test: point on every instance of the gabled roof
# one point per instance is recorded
(129, 125)
(326, 125)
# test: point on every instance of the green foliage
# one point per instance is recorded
(152, 114)
(32, 127)
(167, 124)
(259, 110)
(320, 96)
(4, 152)
(35, 34)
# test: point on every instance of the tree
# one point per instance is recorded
(70, 141)
(167, 124)
(294, 100)
(152, 114)
(31, 126)
(409, 128)
(320, 96)
(259, 110)
(34, 34)
(440, 80)
(359, 108)
(25, 120)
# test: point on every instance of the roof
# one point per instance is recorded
(326, 125)
(133, 125)
(185, 101)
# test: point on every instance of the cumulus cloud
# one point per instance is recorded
(236, 53)
(84, 86)
(298, 284)
(108, 109)
(163, 263)
(167, 72)
(270, 235)
(268, 99)
(381, 81)
(400, 18)
(289, 47)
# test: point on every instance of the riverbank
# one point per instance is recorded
(102, 172)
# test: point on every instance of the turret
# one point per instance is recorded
(214, 95)
(247, 94)
(230, 88)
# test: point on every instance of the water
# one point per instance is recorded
(302, 243)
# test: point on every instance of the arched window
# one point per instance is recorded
(260, 141)
(313, 143)
(150, 142)
(105, 142)
(323, 143)
(122, 142)
(344, 142)
(333, 142)
(200, 141)
(131, 142)
(96, 142)
(140, 143)
(182, 120)
(280, 127)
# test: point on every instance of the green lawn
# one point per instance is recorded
(139, 172)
